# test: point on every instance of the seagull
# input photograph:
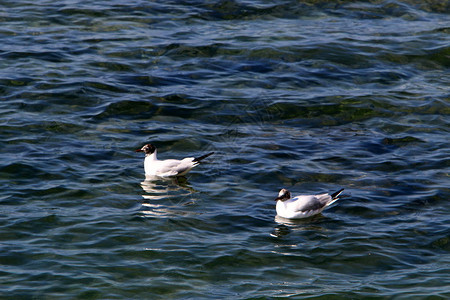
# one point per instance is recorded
(168, 167)
(303, 206)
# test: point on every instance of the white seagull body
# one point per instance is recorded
(303, 206)
(168, 167)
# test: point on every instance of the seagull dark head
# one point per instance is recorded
(148, 149)
(283, 195)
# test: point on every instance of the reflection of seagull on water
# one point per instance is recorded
(168, 167)
(174, 191)
(303, 206)
(159, 187)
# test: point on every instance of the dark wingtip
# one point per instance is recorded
(198, 159)
(335, 195)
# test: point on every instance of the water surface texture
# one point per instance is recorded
(312, 96)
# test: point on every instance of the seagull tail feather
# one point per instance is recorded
(200, 158)
(335, 196)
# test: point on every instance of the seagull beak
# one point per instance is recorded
(139, 150)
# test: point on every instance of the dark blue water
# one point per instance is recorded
(312, 96)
